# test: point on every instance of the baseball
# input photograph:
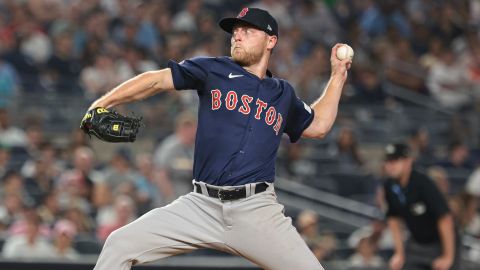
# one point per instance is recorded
(344, 51)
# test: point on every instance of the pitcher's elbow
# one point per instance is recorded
(317, 133)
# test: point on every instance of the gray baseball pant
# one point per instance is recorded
(254, 227)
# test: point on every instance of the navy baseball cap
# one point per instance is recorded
(396, 151)
(257, 17)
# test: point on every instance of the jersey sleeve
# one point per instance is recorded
(190, 73)
(300, 116)
(435, 201)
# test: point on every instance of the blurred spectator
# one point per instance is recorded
(315, 17)
(448, 24)
(279, 10)
(10, 135)
(323, 245)
(118, 179)
(174, 157)
(64, 232)
(35, 139)
(433, 56)
(294, 162)
(402, 67)
(63, 67)
(163, 24)
(473, 183)
(45, 11)
(41, 182)
(420, 38)
(447, 81)
(368, 87)
(76, 184)
(137, 28)
(314, 75)
(9, 83)
(419, 142)
(93, 31)
(92, 48)
(49, 209)
(345, 149)
(377, 17)
(186, 19)
(458, 157)
(30, 244)
(307, 225)
(124, 213)
(83, 223)
(48, 153)
(365, 255)
(289, 58)
(34, 44)
(472, 62)
(4, 160)
(120, 174)
(324, 249)
(103, 76)
(474, 12)
(13, 197)
(464, 207)
(13, 206)
(440, 176)
(27, 46)
(377, 231)
(136, 60)
(150, 193)
(77, 139)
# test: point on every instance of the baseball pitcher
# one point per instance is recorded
(243, 112)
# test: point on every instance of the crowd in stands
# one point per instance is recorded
(55, 196)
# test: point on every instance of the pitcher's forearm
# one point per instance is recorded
(326, 108)
(137, 88)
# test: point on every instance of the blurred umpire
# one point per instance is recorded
(414, 199)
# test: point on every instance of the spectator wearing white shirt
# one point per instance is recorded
(29, 244)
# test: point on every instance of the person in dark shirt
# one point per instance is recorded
(64, 69)
(414, 199)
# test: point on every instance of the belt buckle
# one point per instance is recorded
(226, 194)
(222, 195)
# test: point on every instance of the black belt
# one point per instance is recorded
(231, 194)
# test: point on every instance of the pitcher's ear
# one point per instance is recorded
(272, 42)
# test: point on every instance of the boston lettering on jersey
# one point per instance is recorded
(231, 101)
(240, 119)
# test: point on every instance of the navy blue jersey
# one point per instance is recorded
(241, 119)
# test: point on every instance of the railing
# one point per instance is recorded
(416, 98)
(339, 209)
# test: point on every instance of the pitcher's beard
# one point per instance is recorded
(244, 58)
